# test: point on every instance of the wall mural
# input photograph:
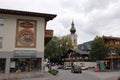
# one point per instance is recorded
(26, 33)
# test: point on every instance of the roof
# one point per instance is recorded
(110, 37)
(28, 13)
(78, 51)
(81, 51)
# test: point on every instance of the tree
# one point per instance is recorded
(98, 49)
(117, 50)
(50, 48)
(57, 47)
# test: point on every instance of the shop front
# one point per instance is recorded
(112, 63)
(18, 65)
(21, 64)
(25, 61)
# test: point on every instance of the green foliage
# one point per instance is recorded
(53, 72)
(51, 48)
(98, 49)
(117, 49)
(57, 47)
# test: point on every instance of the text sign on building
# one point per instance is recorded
(24, 53)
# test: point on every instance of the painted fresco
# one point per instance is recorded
(26, 33)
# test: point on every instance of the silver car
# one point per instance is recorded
(67, 67)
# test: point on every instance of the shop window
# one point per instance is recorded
(25, 64)
(1, 40)
(1, 22)
(2, 65)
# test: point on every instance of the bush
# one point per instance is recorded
(53, 72)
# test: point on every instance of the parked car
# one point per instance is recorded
(67, 67)
(84, 67)
(61, 67)
(54, 67)
(76, 69)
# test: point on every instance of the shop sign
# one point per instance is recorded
(25, 53)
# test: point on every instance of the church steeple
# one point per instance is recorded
(72, 30)
(73, 35)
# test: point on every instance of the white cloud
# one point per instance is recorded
(91, 17)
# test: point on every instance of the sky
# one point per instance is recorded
(91, 17)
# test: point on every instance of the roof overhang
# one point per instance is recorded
(28, 13)
(110, 37)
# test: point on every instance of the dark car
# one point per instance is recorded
(76, 69)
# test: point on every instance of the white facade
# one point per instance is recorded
(8, 32)
(74, 39)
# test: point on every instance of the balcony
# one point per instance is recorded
(48, 35)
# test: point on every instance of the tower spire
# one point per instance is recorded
(72, 30)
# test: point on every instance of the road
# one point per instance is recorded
(85, 75)
(67, 75)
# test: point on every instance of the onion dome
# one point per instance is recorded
(72, 30)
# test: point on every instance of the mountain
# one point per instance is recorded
(85, 46)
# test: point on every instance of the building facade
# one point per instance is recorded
(113, 61)
(22, 40)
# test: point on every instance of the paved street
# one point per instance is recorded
(67, 75)
(86, 75)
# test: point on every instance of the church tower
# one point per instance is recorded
(73, 35)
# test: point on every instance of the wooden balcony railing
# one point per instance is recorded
(48, 35)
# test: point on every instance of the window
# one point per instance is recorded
(2, 65)
(1, 22)
(74, 41)
(1, 39)
(25, 64)
(117, 42)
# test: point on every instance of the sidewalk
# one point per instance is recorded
(47, 76)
